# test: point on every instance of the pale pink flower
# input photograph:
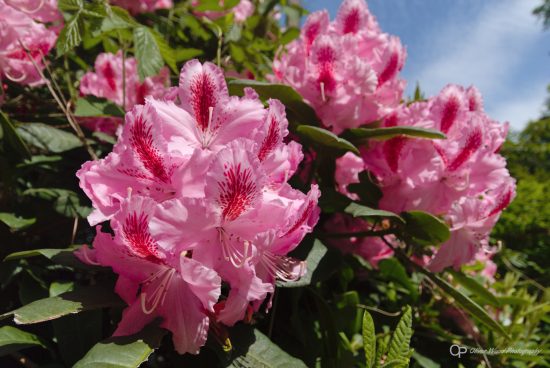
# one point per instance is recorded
(214, 169)
(243, 10)
(18, 31)
(143, 6)
(346, 69)
(156, 282)
(444, 177)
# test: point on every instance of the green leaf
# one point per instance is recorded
(391, 269)
(367, 189)
(61, 256)
(95, 106)
(289, 35)
(148, 53)
(186, 54)
(257, 350)
(287, 95)
(71, 34)
(67, 303)
(475, 287)
(391, 132)
(424, 362)
(11, 136)
(65, 202)
(425, 229)
(399, 349)
(76, 334)
(326, 139)
(15, 223)
(123, 351)
(70, 5)
(358, 210)
(13, 339)
(48, 138)
(369, 339)
(167, 53)
(313, 259)
(465, 302)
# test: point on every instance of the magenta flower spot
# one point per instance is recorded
(196, 191)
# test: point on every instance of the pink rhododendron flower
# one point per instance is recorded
(243, 10)
(107, 82)
(462, 178)
(372, 249)
(208, 175)
(143, 6)
(18, 30)
(346, 69)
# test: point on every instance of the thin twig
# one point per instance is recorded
(389, 314)
(273, 311)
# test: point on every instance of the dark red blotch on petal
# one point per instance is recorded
(237, 192)
(203, 97)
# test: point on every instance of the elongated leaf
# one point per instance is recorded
(476, 288)
(167, 53)
(16, 223)
(70, 5)
(326, 139)
(258, 351)
(287, 95)
(11, 136)
(65, 202)
(148, 53)
(425, 229)
(358, 210)
(423, 361)
(48, 253)
(465, 302)
(369, 339)
(391, 132)
(399, 349)
(48, 138)
(13, 339)
(94, 106)
(67, 303)
(313, 259)
(123, 351)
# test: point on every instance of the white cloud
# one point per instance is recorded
(489, 51)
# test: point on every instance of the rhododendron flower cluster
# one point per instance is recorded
(143, 6)
(243, 10)
(346, 69)
(196, 194)
(21, 30)
(461, 178)
(108, 82)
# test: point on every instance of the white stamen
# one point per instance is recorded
(231, 253)
(281, 267)
(323, 92)
(159, 294)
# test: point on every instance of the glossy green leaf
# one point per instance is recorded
(64, 257)
(425, 229)
(67, 303)
(257, 350)
(286, 94)
(399, 348)
(475, 288)
(123, 351)
(48, 138)
(358, 210)
(15, 223)
(65, 202)
(325, 139)
(71, 34)
(313, 259)
(147, 52)
(424, 362)
(369, 339)
(391, 132)
(13, 339)
(95, 106)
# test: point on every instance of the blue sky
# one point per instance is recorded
(497, 45)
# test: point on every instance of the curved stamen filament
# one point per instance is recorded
(159, 294)
(282, 267)
(323, 96)
(19, 5)
(230, 251)
(15, 78)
